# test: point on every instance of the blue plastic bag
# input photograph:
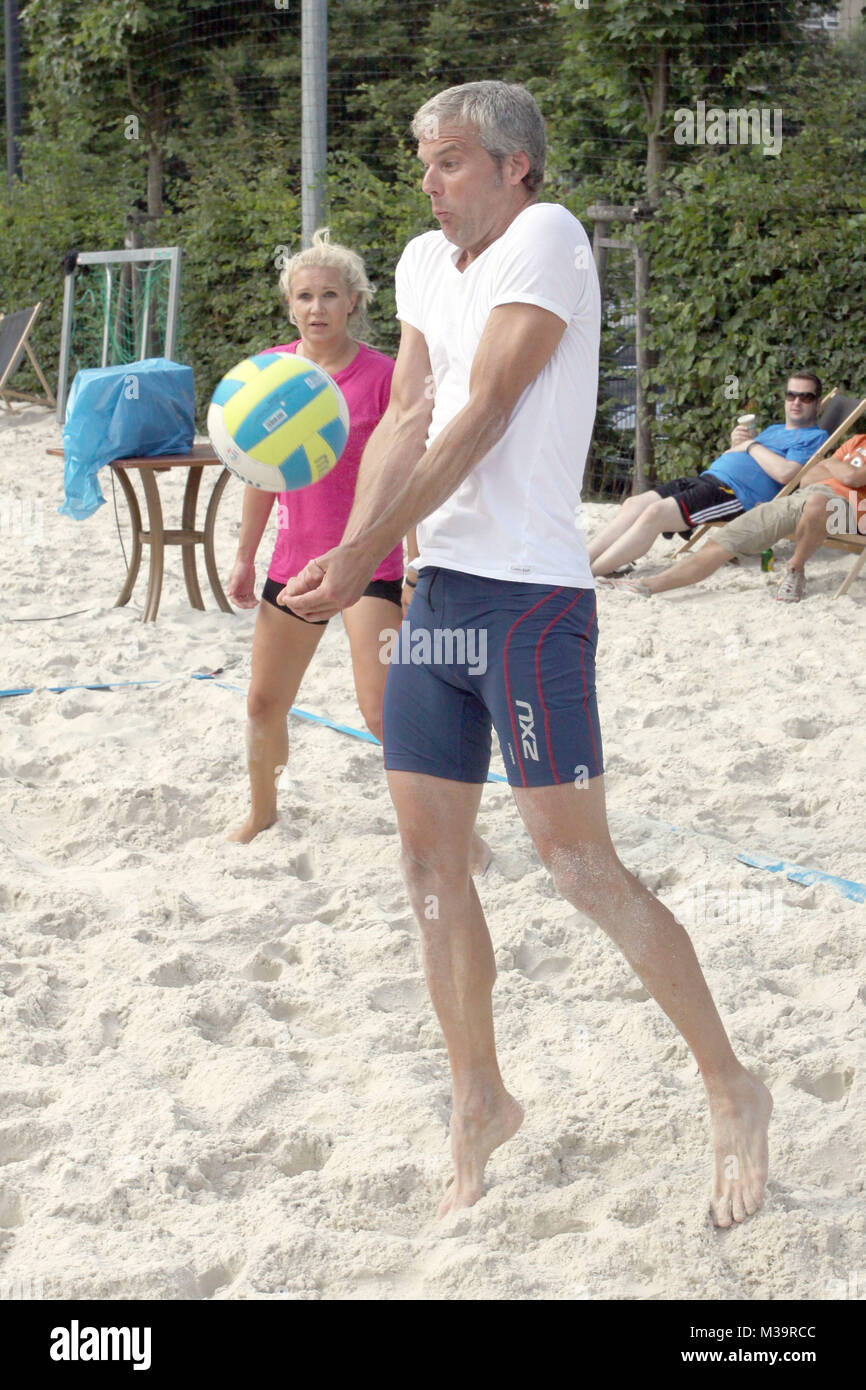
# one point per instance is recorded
(139, 408)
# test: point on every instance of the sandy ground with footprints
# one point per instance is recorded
(222, 1077)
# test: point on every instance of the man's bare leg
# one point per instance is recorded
(436, 819)
(690, 570)
(811, 531)
(809, 535)
(568, 825)
(365, 622)
(627, 514)
(663, 514)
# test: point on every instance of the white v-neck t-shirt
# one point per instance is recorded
(517, 514)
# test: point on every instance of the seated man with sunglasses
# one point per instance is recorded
(751, 472)
(831, 502)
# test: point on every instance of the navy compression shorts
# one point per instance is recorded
(476, 653)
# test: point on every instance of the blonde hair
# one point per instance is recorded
(332, 256)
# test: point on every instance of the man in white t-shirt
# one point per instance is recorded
(500, 315)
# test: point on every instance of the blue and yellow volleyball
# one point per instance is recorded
(278, 421)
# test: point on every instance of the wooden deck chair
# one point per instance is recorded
(14, 331)
(853, 542)
(832, 410)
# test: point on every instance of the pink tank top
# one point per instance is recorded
(312, 519)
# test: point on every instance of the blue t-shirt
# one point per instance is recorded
(748, 479)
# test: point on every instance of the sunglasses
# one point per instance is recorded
(801, 395)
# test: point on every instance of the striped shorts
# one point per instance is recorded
(701, 499)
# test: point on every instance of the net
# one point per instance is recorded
(119, 307)
(120, 314)
(188, 116)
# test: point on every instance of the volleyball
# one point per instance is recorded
(278, 421)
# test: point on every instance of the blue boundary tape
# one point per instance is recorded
(224, 685)
(797, 873)
(301, 713)
(848, 887)
(321, 719)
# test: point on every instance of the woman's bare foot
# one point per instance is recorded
(739, 1115)
(250, 829)
(479, 856)
(476, 1131)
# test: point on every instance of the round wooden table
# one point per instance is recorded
(157, 537)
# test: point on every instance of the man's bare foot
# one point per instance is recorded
(740, 1116)
(475, 1133)
(479, 856)
(250, 829)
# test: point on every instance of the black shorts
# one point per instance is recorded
(700, 499)
(390, 589)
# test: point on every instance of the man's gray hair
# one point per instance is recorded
(504, 114)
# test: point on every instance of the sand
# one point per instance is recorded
(222, 1076)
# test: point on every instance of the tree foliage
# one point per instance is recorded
(755, 259)
(757, 263)
(628, 64)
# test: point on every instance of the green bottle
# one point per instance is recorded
(767, 560)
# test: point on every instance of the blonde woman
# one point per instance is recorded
(327, 292)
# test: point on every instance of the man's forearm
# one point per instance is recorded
(391, 452)
(439, 472)
(780, 469)
(844, 473)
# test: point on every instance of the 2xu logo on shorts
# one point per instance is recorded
(526, 719)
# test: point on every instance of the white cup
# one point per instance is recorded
(746, 420)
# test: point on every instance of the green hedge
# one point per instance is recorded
(67, 199)
(757, 262)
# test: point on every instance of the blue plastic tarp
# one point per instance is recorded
(136, 409)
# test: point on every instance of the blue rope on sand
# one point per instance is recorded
(210, 676)
(58, 689)
(320, 719)
(797, 873)
(848, 887)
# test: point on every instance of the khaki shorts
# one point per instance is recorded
(769, 522)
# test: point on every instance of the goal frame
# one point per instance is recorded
(109, 259)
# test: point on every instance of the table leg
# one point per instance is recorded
(135, 517)
(187, 521)
(157, 545)
(209, 556)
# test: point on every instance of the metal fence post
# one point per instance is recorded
(13, 91)
(314, 114)
(643, 450)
